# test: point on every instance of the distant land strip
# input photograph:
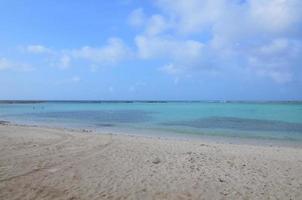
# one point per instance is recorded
(143, 101)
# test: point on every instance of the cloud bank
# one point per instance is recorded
(6, 64)
(262, 37)
(256, 37)
(111, 53)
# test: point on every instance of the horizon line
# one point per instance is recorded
(148, 101)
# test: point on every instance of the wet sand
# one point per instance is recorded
(48, 163)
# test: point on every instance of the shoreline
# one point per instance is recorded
(169, 135)
(49, 163)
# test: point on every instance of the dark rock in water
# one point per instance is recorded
(102, 117)
(239, 124)
(4, 122)
(105, 125)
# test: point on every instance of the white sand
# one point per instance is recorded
(43, 163)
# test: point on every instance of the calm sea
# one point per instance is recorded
(276, 121)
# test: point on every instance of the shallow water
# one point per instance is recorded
(280, 121)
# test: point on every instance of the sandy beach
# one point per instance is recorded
(47, 163)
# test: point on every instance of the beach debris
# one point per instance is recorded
(105, 125)
(224, 193)
(221, 180)
(156, 160)
(86, 131)
(191, 160)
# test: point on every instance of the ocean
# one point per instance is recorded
(280, 121)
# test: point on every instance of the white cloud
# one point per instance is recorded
(182, 55)
(276, 15)
(64, 62)
(177, 50)
(38, 49)
(137, 18)
(171, 69)
(276, 59)
(262, 36)
(6, 64)
(114, 51)
(111, 53)
(278, 47)
(192, 15)
(156, 25)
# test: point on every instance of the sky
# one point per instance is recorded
(151, 50)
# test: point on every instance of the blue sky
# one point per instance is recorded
(161, 50)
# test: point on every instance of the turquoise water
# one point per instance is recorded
(280, 121)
